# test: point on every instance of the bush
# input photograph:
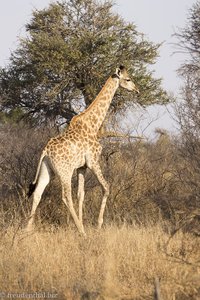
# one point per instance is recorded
(148, 181)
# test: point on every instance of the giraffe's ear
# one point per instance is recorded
(122, 68)
(118, 72)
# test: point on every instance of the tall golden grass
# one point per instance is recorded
(114, 263)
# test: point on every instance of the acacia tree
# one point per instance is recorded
(188, 112)
(70, 49)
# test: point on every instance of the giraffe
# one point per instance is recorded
(78, 148)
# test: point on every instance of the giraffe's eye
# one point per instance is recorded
(128, 79)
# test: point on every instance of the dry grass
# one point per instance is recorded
(115, 263)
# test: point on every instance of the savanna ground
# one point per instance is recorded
(114, 263)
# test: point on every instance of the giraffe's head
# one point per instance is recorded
(124, 79)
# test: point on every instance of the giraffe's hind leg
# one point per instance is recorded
(42, 182)
(81, 192)
(67, 199)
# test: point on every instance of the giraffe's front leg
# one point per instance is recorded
(97, 171)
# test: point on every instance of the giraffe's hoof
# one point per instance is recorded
(99, 225)
(83, 233)
(29, 228)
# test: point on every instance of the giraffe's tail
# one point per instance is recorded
(32, 185)
(31, 189)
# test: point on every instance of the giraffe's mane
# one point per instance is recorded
(93, 102)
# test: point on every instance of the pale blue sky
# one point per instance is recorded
(157, 19)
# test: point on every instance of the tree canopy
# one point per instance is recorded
(189, 42)
(70, 49)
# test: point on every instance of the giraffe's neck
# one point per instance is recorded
(95, 114)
